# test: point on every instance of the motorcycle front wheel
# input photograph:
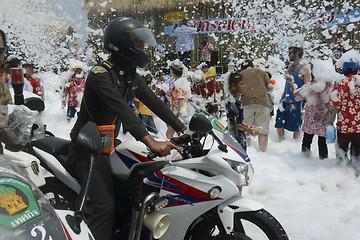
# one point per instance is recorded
(254, 225)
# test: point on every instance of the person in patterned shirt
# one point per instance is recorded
(184, 41)
(346, 105)
(317, 112)
(74, 88)
(180, 93)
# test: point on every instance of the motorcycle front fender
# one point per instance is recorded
(227, 210)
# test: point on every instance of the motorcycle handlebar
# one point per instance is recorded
(153, 155)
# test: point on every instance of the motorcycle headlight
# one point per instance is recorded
(245, 170)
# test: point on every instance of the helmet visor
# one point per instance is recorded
(143, 35)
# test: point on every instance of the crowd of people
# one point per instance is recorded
(114, 94)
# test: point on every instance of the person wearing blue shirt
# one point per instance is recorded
(184, 41)
(288, 116)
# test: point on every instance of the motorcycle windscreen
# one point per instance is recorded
(24, 211)
(230, 140)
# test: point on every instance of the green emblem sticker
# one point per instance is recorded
(18, 205)
(98, 69)
(218, 126)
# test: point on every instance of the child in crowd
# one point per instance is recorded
(317, 112)
(236, 125)
(162, 90)
(30, 70)
(146, 115)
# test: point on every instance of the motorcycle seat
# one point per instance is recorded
(57, 147)
(53, 145)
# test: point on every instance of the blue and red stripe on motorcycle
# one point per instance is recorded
(243, 156)
(183, 193)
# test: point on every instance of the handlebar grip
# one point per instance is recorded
(152, 155)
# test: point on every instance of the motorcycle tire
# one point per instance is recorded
(263, 221)
(259, 221)
(59, 195)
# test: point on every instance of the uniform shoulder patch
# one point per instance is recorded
(98, 69)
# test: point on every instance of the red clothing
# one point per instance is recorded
(76, 87)
(347, 100)
(36, 86)
(207, 90)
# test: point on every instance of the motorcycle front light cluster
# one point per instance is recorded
(161, 204)
(245, 170)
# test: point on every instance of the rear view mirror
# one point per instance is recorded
(34, 103)
(199, 123)
(89, 139)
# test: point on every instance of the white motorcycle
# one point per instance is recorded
(200, 190)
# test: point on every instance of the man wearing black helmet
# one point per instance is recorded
(109, 88)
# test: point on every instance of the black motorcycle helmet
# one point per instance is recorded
(120, 36)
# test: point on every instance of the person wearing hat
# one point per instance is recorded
(180, 93)
(345, 102)
(73, 90)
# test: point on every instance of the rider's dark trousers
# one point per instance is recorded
(101, 193)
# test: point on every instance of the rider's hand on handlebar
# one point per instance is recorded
(163, 148)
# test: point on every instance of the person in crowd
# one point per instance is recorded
(11, 62)
(206, 49)
(146, 115)
(164, 77)
(73, 91)
(5, 96)
(337, 46)
(4, 74)
(184, 41)
(30, 70)
(288, 115)
(271, 97)
(208, 88)
(317, 112)
(14, 62)
(180, 93)
(345, 103)
(255, 100)
(236, 85)
(162, 91)
(109, 88)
